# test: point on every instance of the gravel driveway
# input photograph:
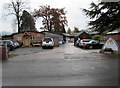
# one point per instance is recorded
(66, 65)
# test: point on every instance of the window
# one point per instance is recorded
(38, 35)
(32, 37)
(47, 39)
(19, 38)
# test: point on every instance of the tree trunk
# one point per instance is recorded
(18, 20)
(50, 26)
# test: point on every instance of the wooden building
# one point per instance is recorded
(115, 36)
(84, 35)
(81, 35)
(29, 38)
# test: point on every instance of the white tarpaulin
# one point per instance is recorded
(111, 43)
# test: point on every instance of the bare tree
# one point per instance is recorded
(15, 8)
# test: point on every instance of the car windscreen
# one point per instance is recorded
(13, 41)
(47, 39)
(9, 43)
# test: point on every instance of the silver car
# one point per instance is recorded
(83, 42)
(47, 42)
(90, 44)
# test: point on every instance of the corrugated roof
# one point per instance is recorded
(77, 34)
(114, 32)
(27, 31)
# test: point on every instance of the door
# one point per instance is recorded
(26, 41)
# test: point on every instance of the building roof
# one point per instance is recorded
(77, 34)
(27, 31)
(93, 33)
(52, 32)
(117, 31)
(65, 34)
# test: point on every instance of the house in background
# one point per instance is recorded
(74, 36)
(28, 38)
(115, 35)
(84, 35)
(81, 35)
(7, 37)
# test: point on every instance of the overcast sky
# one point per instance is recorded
(75, 16)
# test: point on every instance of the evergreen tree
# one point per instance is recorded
(27, 22)
(69, 31)
(76, 30)
(106, 14)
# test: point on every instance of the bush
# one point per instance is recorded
(96, 37)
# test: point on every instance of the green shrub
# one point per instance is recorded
(96, 37)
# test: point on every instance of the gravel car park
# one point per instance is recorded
(63, 66)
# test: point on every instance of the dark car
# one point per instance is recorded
(16, 43)
(93, 44)
(77, 42)
(10, 45)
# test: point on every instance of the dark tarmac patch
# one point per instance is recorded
(12, 55)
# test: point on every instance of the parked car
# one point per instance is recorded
(47, 42)
(83, 42)
(16, 43)
(10, 45)
(90, 44)
(77, 42)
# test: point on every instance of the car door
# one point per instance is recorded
(95, 44)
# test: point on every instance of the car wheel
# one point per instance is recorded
(90, 47)
(52, 47)
(77, 45)
(43, 47)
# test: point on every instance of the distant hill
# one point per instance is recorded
(5, 33)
